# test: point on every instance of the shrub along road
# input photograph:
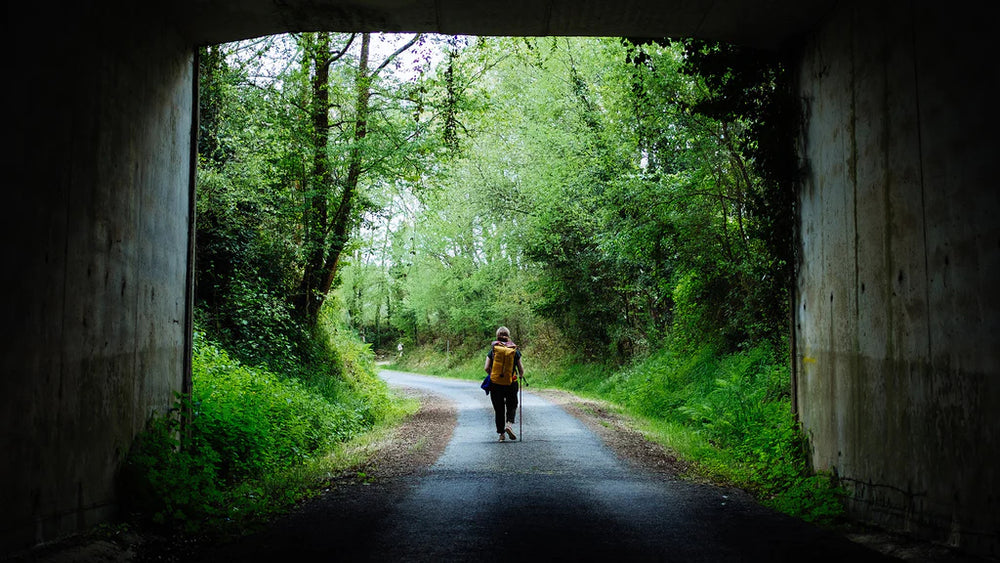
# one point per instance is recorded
(560, 494)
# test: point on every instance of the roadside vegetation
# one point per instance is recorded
(285, 393)
(729, 416)
(248, 443)
(624, 207)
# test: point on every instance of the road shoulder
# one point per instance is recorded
(621, 435)
(360, 495)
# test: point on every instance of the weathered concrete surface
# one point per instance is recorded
(897, 318)
(96, 250)
(758, 22)
(897, 310)
(97, 234)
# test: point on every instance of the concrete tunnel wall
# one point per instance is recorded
(96, 238)
(897, 314)
(896, 311)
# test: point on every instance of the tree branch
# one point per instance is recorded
(337, 55)
(398, 52)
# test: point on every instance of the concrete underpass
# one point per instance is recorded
(895, 315)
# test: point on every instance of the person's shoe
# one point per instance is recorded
(510, 432)
(501, 437)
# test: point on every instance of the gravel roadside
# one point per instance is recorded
(412, 447)
(619, 434)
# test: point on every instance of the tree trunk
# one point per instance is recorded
(310, 295)
(331, 234)
(342, 219)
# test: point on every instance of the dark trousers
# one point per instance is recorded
(504, 398)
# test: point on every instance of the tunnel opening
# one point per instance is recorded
(894, 385)
(581, 139)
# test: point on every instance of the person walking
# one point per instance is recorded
(503, 365)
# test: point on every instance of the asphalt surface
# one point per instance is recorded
(555, 494)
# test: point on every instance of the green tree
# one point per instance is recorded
(588, 186)
(305, 136)
(327, 229)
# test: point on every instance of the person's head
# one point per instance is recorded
(503, 334)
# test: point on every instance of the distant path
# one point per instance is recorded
(560, 495)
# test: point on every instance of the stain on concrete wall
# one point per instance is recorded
(897, 314)
(98, 231)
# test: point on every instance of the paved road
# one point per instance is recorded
(558, 495)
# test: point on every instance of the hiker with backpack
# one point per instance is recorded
(503, 365)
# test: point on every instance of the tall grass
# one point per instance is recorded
(254, 441)
(729, 414)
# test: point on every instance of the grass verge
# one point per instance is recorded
(252, 445)
(727, 416)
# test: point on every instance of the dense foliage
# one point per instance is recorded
(304, 140)
(299, 139)
(248, 434)
(623, 206)
(594, 192)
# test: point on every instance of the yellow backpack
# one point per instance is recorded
(502, 371)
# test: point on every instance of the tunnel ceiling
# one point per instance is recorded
(760, 23)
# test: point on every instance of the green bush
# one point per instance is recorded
(246, 428)
(259, 423)
(813, 498)
(168, 484)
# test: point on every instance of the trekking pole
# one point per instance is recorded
(520, 405)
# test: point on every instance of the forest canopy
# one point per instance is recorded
(626, 194)
(585, 190)
(624, 206)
